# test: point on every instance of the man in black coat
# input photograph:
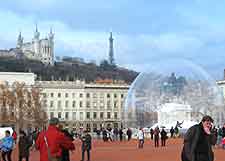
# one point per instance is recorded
(198, 141)
(66, 152)
(86, 145)
(24, 146)
(223, 131)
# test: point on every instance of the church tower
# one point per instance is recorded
(111, 50)
(19, 41)
(36, 41)
(51, 48)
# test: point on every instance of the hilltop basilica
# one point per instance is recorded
(37, 49)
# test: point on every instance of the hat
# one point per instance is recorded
(54, 121)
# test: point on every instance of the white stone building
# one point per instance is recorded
(10, 77)
(82, 105)
(38, 49)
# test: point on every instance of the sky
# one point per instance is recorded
(145, 31)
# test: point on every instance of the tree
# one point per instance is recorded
(21, 106)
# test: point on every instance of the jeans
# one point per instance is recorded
(88, 154)
(7, 154)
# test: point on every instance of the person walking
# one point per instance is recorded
(51, 142)
(129, 134)
(6, 146)
(163, 134)
(116, 132)
(24, 146)
(104, 135)
(223, 131)
(152, 133)
(172, 132)
(66, 152)
(140, 138)
(198, 142)
(121, 134)
(86, 145)
(156, 136)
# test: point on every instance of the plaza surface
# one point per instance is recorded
(128, 151)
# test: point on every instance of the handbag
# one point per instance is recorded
(50, 157)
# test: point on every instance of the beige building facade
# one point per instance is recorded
(81, 105)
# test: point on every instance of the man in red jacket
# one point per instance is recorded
(51, 142)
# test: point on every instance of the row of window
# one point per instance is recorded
(95, 115)
(88, 95)
(72, 104)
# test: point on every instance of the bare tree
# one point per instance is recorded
(21, 106)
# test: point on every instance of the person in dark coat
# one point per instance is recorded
(163, 134)
(104, 135)
(129, 134)
(86, 145)
(24, 146)
(156, 136)
(152, 133)
(172, 132)
(198, 142)
(121, 134)
(66, 152)
(223, 131)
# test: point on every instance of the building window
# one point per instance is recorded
(67, 115)
(122, 95)
(108, 115)
(67, 104)
(88, 115)
(115, 104)
(108, 104)
(81, 95)
(59, 115)
(101, 115)
(59, 95)
(52, 94)
(122, 104)
(95, 104)
(115, 95)
(51, 114)
(45, 103)
(81, 116)
(81, 104)
(94, 95)
(73, 95)
(101, 95)
(74, 104)
(74, 116)
(101, 104)
(44, 95)
(59, 104)
(52, 104)
(88, 95)
(94, 115)
(88, 104)
(108, 95)
(66, 95)
(115, 115)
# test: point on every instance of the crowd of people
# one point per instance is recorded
(55, 142)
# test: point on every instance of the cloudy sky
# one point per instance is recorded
(145, 31)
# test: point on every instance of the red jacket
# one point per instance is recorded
(56, 141)
(14, 135)
(223, 141)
